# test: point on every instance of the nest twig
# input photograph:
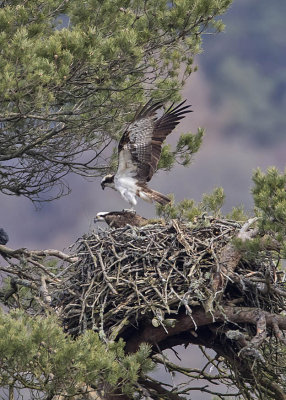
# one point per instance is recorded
(159, 276)
(128, 274)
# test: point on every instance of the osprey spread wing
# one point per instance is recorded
(139, 152)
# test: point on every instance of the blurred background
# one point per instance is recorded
(238, 95)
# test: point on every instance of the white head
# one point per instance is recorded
(108, 181)
(100, 216)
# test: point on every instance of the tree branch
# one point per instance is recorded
(184, 323)
(155, 390)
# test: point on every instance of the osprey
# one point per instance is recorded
(118, 219)
(139, 152)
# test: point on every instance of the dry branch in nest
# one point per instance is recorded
(131, 274)
(128, 275)
(168, 285)
(155, 283)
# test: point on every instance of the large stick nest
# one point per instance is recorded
(129, 274)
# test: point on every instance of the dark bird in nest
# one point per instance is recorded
(119, 219)
(3, 237)
(139, 152)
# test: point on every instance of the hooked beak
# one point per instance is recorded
(97, 219)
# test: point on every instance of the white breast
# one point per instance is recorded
(125, 182)
(127, 188)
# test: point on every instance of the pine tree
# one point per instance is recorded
(71, 73)
(93, 324)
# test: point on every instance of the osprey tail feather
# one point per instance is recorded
(151, 195)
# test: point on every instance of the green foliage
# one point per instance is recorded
(68, 88)
(270, 201)
(188, 210)
(214, 201)
(269, 196)
(250, 249)
(237, 214)
(187, 145)
(36, 354)
(167, 159)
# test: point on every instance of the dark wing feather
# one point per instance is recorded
(141, 143)
(147, 111)
(163, 127)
